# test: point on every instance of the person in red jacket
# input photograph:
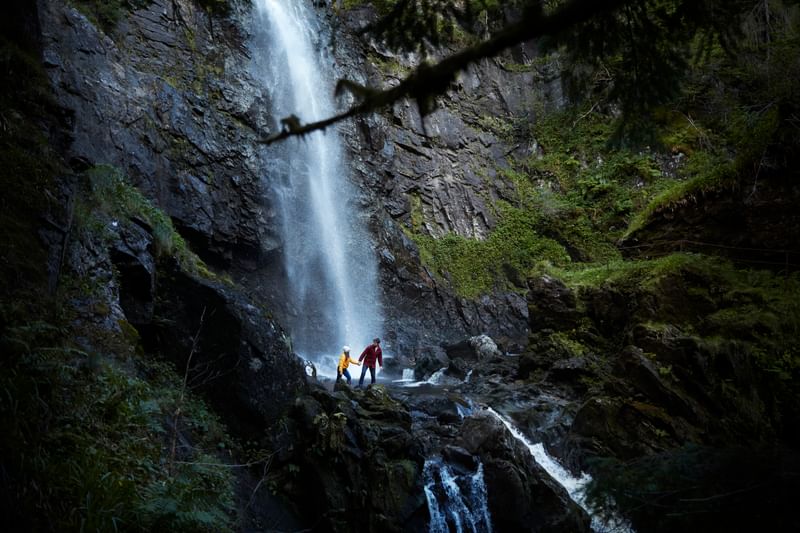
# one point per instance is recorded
(370, 355)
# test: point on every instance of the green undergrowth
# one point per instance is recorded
(568, 205)
(603, 183)
(710, 298)
(89, 440)
(580, 194)
(507, 256)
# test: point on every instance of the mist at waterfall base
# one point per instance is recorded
(329, 263)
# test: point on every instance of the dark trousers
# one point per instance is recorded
(346, 374)
(364, 373)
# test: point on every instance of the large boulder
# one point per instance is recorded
(228, 348)
(350, 462)
(551, 305)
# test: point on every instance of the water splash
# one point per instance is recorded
(407, 377)
(465, 410)
(435, 379)
(329, 262)
(456, 502)
(574, 485)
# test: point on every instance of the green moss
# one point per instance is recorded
(382, 6)
(503, 260)
(111, 196)
(712, 176)
(389, 67)
(571, 345)
(217, 7)
(496, 125)
(751, 312)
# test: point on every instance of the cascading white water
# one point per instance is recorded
(330, 265)
(453, 501)
(574, 485)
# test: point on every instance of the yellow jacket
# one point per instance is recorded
(344, 362)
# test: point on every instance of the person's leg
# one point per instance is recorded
(363, 373)
(346, 374)
(372, 374)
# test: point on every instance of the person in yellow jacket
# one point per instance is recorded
(344, 362)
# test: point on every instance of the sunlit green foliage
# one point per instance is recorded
(503, 260)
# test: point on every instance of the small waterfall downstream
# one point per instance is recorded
(329, 263)
(573, 485)
(456, 502)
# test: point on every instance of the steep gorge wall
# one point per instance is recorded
(167, 96)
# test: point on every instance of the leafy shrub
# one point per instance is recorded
(83, 442)
(506, 257)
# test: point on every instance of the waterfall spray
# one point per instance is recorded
(330, 265)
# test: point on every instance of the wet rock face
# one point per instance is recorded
(439, 175)
(551, 305)
(232, 353)
(167, 98)
(523, 496)
(356, 464)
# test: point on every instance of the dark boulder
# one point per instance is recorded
(551, 305)
(229, 349)
(354, 464)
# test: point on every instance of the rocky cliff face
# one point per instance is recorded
(439, 175)
(166, 97)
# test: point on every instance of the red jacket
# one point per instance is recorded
(370, 354)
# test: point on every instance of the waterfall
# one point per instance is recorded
(329, 263)
(456, 501)
(572, 484)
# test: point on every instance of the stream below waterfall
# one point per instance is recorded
(457, 497)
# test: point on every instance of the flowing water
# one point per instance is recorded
(329, 262)
(574, 485)
(456, 502)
